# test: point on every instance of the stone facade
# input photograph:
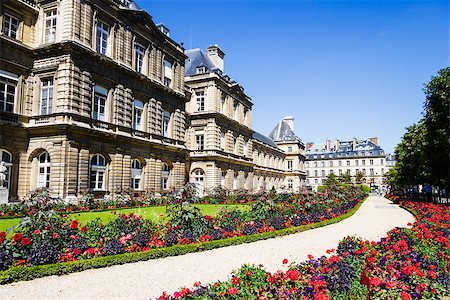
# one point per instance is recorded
(225, 150)
(93, 99)
(352, 157)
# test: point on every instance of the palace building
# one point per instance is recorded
(363, 157)
(95, 97)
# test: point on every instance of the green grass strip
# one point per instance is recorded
(21, 273)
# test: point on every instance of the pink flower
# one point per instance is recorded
(37, 231)
(232, 291)
(55, 235)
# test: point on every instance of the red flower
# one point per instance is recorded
(37, 231)
(285, 261)
(26, 241)
(375, 281)
(55, 235)
(83, 229)
(405, 295)
(249, 273)
(17, 237)
(74, 224)
(310, 256)
(2, 236)
(235, 280)
(432, 274)
(76, 251)
(232, 291)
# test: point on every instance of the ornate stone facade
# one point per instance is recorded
(93, 99)
(225, 150)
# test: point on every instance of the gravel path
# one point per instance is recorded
(144, 280)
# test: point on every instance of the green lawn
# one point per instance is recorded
(156, 213)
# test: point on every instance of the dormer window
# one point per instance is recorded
(201, 70)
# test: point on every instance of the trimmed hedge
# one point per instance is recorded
(21, 273)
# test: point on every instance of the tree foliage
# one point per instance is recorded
(422, 156)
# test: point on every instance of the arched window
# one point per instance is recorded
(136, 174)
(165, 172)
(44, 170)
(98, 170)
(199, 178)
(222, 178)
(6, 157)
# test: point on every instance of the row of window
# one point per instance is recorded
(8, 87)
(334, 155)
(102, 45)
(97, 173)
(340, 172)
(331, 163)
(200, 105)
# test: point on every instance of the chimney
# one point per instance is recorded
(374, 140)
(216, 55)
(290, 121)
(328, 144)
(163, 29)
(309, 145)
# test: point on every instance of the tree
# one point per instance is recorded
(345, 178)
(436, 121)
(410, 156)
(359, 177)
(331, 180)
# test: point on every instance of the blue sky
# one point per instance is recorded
(343, 69)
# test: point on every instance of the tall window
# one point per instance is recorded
(371, 162)
(138, 109)
(44, 170)
(356, 162)
(323, 164)
(223, 98)
(364, 172)
(222, 140)
(10, 26)
(140, 51)
(136, 174)
(200, 101)
(235, 110)
(199, 142)
(289, 165)
(340, 163)
(222, 179)
(234, 182)
(289, 149)
(290, 184)
(363, 162)
(102, 37)
(331, 163)
(6, 157)
(323, 173)
(199, 177)
(371, 172)
(340, 172)
(348, 163)
(165, 176)
(50, 25)
(165, 124)
(382, 171)
(7, 92)
(315, 173)
(381, 161)
(46, 96)
(100, 95)
(98, 170)
(167, 73)
(307, 173)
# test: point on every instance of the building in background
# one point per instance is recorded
(224, 149)
(365, 157)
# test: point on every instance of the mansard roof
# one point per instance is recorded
(283, 132)
(197, 58)
(264, 139)
(342, 149)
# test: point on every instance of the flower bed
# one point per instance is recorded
(406, 264)
(47, 238)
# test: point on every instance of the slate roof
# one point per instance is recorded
(197, 58)
(264, 139)
(283, 132)
(342, 149)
